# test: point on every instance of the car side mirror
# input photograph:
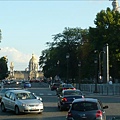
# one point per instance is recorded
(105, 107)
(39, 98)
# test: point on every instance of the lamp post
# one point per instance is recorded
(58, 62)
(99, 63)
(67, 57)
(79, 65)
(100, 73)
(96, 74)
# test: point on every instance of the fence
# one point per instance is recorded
(103, 89)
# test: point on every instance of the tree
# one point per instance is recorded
(107, 28)
(63, 43)
(3, 68)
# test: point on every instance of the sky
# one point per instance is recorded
(26, 25)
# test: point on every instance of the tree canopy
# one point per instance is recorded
(3, 68)
(80, 44)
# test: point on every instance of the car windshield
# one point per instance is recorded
(85, 106)
(72, 92)
(25, 96)
(55, 84)
(68, 86)
(4, 90)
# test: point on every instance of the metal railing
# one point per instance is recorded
(103, 89)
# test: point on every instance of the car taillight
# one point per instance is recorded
(64, 88)
(83, 96)
(69, 114)
(98, 113)
(64, 99)
(74, 88)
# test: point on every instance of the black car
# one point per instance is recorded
(66, 98)
(64, 86)
(86, 109)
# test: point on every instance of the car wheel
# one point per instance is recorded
(58, 106)
(40, 113)
(61, 108)
(3, 107)
(17, 110)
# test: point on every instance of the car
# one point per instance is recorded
(27, 85)
(66, 98)
(2, 92)
(21, 101)
(64, 86)
(87, 109)
(54, 86)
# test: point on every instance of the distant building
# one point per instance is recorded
(115, 5)
(30, 73)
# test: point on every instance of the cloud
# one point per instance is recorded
(19, 59)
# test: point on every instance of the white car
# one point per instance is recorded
(21, 101)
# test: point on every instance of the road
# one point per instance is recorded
(51, 112)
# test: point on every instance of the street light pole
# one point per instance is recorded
(100, 73)
(67, 57)
(79, 65)
(96, 74)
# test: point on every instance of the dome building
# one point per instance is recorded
(115, 5)
(30, 73)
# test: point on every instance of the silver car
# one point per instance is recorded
(2, 92)
(21, 101)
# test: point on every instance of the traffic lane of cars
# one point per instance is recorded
(50, 112)
(53, 99)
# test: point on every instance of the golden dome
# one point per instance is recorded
(33, 59)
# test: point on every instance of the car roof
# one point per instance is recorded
(5, 89)
(86, 99)
(70, 90)
(19, 91)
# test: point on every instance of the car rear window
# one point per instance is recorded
(67, 86)
(72, 92)
(84, 106)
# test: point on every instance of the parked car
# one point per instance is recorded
(2, 92)
(64, 86)
(27, 85)
(66, 98)
(54, 86)
(86, 109)
(21, 101)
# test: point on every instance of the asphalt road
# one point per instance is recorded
(51, 112)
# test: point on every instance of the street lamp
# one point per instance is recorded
(58, 62)
(67, 57)
(99, 63)
(79, 65)
(100, 73)
(96, 74)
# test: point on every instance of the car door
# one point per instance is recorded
(6, 99)
(12, 101)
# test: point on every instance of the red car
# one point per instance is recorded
(54, 86)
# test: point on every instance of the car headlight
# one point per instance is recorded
(23, 104)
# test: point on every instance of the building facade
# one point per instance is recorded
(30, 73)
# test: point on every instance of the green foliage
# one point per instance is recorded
(3, 68)
(81, 44)
(107, 31)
